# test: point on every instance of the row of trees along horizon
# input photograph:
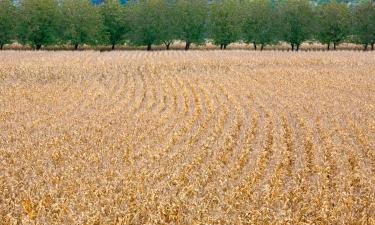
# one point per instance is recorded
(39, 23)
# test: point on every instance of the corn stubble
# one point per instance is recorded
(199, 137)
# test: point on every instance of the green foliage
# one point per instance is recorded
(149, 22)
(259, 23)
(7, 22)
(340, 1)
(334, 21)
(364, 24)
(82, 23)
(145, 17)
(224, 22)
(168, 22)
(192, 21)
(296, 20)
(115, 25)
(38, 22)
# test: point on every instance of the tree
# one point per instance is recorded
(82, 23)
(296, 24)
(7, 22)
(168, 22)
(145, 22)
(259, 25)
(224, 22)
(333, 23)
(115, 25)
(38, 22)
(364, 24)
(192, 21)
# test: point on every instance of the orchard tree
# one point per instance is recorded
(144, 17)
(81, 23)
(333, 23)
(168, 22)
(296, 24)
(115, 25)
(192, 21)
(259, 24)
(224, 22)
(38, 22)
(364, 24)
(7, 22)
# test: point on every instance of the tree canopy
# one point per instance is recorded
(82, 23)
(334, 21)
(114, 22)
(192, 21)
(145, 20)
(363, 26)
(7, 22)
(259, 23)
(40, 23)
(168, 22)
(296, 25)
(225, 22)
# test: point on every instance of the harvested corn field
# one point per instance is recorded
(200, 137)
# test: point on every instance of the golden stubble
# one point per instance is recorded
(200, 137)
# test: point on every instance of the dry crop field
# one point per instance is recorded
(200, 137)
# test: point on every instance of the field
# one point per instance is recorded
(178, 45)
(199, 137)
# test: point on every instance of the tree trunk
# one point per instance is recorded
(221, 46)
(113, 47)
(168, 45)
(372, 46)
(38, 46)
(255, 45)
(297, 48)
(365, 47)
(328, 46)
(225, 46)
(334, 46)
(76, 46)
(292, 47)
(149, 47)
(262, 47)
(1, 46)
(187, 46)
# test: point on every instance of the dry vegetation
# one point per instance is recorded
(187, 137)
(178, 45)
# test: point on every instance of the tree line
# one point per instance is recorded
(41, 23)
